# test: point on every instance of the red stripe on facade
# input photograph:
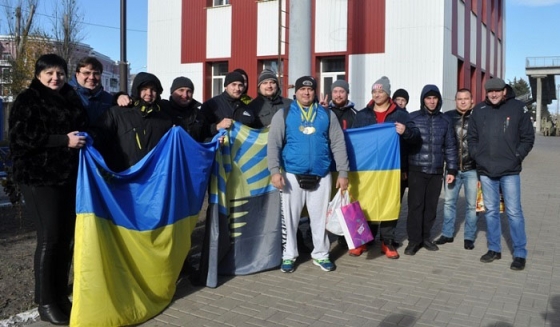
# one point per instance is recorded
(193, 31)
(244, 41)
(366, 26)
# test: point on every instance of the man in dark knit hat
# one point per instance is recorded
(340, 105)
(500, 136)
(220, 111)
(124, 135)
(269, 99)
(186, 110)
(301, 146)
(400, 97)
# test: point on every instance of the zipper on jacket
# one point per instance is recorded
(137, 139)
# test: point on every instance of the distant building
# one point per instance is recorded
(452, 44)
(109, 79)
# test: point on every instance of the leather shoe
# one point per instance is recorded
(430, 246)
(518, 264)
(444, 239)
(491, 256)
(412, 248)
(469, 245)
(53, 314)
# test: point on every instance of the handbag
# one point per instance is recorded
(480, 200)
(308, 182)
(354, 225)
(333, 216)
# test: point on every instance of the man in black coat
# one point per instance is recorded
(500, 136)
(185, 110)
(425, 166)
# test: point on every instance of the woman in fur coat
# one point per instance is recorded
(44, 126)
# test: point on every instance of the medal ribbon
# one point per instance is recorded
(309, 115)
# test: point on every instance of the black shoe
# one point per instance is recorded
(444, 239)
(430, 246)
(53, 314)
(518, 264)
(412, 248)
(469, 245)
(491, 256)
(65, 305)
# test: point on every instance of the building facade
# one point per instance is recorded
(449, 43)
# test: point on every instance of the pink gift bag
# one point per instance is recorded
(354, 225)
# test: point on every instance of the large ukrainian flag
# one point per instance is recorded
(133, 230)
(243, 224)
(374, 177)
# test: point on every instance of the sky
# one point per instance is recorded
(532, 30)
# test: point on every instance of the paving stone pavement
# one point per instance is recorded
(450, 287)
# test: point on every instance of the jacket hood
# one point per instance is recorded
(427, 89)
(142, 79)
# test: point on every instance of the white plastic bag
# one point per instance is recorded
(333, 215)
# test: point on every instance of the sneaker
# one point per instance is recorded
(287, 266)
(491, 256)
(389, 250)
(518, 264)
(357, 251)
(469, 245)
(325, 264)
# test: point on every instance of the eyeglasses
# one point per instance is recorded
(88, 73)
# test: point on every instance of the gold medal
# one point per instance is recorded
(308, 130)
(301, 128)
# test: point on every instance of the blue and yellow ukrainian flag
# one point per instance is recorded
(133, 230)
(375, 176)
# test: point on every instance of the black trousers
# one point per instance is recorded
(423, 195)
(53, 209)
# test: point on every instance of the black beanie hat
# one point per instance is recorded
(402, 94)
(181, 82)
(233, 77)
(306, 81)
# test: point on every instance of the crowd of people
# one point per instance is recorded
(486, 142)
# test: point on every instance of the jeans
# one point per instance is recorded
(469, 180)
(511, 190)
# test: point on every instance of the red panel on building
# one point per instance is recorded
(193, 31)
(244, 40)
(366, 26)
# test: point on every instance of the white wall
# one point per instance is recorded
(331, 21)
(267, 28)
(164, 47)
(218, 32)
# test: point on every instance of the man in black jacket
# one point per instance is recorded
(269, 99)
(124, 135)
(185, 110)
(425, 165)
(220, 111)
(500, 136)
(466, 175)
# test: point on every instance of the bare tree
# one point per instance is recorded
(67, 25)
(28, 43)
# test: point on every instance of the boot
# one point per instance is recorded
(53, 314)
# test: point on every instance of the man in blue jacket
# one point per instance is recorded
(426, 166)
(301, 146)
(87, 83)
(500, 136)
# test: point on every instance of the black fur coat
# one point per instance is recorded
(39, 122)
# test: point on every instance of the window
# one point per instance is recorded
(217, 3)
(273, 65)
(219, 72)
(332, 69)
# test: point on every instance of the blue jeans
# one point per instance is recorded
(511, 190)
(469, 179)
